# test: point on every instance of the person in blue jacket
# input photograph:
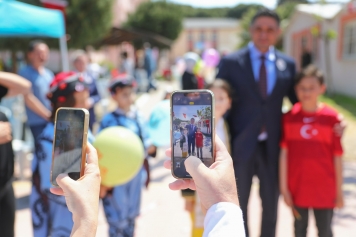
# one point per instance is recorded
(122, 203)
(50, 215)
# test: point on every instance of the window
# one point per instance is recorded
(202, 36)
(349, 46)
(190, 36)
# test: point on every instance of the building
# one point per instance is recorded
(307, 33)
(200, 33)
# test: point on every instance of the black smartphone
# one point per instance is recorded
(69, 143)
(192, 129)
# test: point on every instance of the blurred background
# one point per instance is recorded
(116, 35)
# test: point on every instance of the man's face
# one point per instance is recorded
(39, 56)
(264, 32)
(192, 121)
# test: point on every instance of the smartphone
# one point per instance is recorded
(69, 143)
(192, 129)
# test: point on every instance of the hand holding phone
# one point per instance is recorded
(213, 185)
(69, 143)
(192, 116)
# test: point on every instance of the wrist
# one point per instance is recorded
(84, 226)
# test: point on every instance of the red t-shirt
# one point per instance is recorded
(199, 139)
(312, 145)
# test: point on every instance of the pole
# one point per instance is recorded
(64, 53)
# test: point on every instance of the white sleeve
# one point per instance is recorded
(224, 219)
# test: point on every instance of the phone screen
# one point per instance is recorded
(192, 129)
(68, 143)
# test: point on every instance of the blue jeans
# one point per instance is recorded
(37, 130)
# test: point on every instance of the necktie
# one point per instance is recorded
(262, 80)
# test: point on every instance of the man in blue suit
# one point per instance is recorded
(191, 136)
(261, 77)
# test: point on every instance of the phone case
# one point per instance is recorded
(212, 125)
(84, 145)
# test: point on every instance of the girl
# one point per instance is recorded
(50, 214)
(184, 143)
(223, 99)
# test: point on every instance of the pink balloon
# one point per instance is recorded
(211, 57)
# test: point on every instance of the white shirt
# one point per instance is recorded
(224, 219)
(220, 130)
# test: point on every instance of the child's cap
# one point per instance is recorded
(64, 84)
(121, 80)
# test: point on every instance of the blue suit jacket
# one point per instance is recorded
(249, 110)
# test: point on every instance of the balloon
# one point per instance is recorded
(190, 60)
(120, 153)
(159, 124)
(211, 57)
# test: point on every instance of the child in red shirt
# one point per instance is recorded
(310, 159)
(199, 143)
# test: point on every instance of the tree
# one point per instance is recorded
(160, 17)
(87, 21)
(245, 25)
(281, 2)
(239, 10)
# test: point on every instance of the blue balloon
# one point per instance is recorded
(159, 124)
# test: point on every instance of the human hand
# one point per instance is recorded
(82, 196)
(339, 128)
(339, 200)
(214, 184)
(287, 198)
(5, 132)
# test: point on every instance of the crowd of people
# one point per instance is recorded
(303, 164)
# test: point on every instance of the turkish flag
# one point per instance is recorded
(55, 4)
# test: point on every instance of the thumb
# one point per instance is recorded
(196, 168)
(65, 182)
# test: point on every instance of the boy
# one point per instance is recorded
(199, 143)
(122, 203)
(310, 158)
(184, 143)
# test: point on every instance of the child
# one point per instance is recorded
(199, 143)
(223, 98)
(184, 143)
(310, 159)
(122, 203)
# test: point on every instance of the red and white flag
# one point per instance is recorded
(55, 4)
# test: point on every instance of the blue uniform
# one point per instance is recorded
(122, 205)
(50, 214)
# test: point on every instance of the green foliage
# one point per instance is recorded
(245, 24)
(286, 10)
(189, 11)
(87, 21)
(239, 10)
(281, 2)
(162, 18)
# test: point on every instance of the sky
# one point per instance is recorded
(188, 110)
(230, 3)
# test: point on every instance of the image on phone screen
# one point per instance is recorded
(192, 127)
(67, 151)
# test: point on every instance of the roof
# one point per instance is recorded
(326, 11)
(208, 23)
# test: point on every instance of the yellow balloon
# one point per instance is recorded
(120, 153)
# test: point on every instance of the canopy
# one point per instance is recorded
(19, 19)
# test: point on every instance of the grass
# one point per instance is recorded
(346, 105)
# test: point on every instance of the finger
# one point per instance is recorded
(167, 164)
(182, 184)
(57, 191)
(169, 152)
(65, 182)
(196, 168)
(220, 150)
(92, 155)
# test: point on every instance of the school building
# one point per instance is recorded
(327, 32)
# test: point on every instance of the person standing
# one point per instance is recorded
(192, 129)
(261, 77)
(40, 77)
(150, 66)
(80, 63)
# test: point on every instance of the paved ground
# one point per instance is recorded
(162, 210)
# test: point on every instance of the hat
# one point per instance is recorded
(64, 84)
(122, 80)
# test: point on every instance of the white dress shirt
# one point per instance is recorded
(224, 219)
